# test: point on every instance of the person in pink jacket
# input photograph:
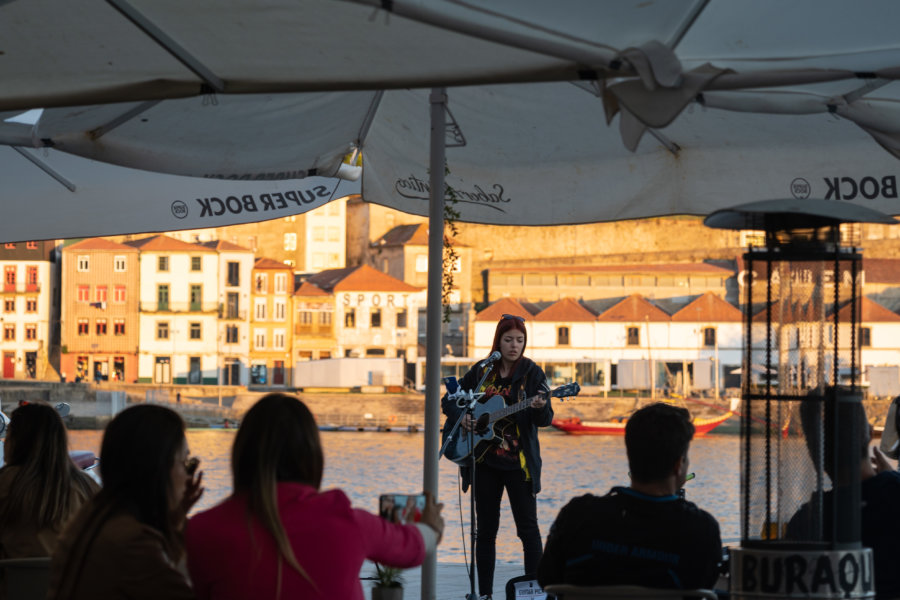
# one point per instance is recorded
(278, 535)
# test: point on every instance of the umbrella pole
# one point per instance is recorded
(438, 101)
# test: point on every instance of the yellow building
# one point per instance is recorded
(270, 323)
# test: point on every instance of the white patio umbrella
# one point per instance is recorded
(721, 102)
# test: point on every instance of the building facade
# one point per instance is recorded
(270, 323)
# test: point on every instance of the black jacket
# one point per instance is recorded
(529, 375)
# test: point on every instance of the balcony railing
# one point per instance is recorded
(179, 307)
(229, 313)
(323, 330)
(20, 287)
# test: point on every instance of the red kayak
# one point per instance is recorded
(576, 426)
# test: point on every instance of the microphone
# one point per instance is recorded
(495, 356)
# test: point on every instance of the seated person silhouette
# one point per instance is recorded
(645, 534)
(880, 491)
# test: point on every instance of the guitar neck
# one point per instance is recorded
(511, 409)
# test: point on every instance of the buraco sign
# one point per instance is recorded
(869, 187)
(490, 196)
(802, 574)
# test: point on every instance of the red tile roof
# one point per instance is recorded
(268, 263)
(310, 289)
(566, 309)
(223, 246)
(503, 306)
(162, 243)
(98, 244)
(361, 278)
(872, 312)
(634, 308)
(708, 307)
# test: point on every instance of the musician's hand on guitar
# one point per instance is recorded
(539, 401)
(468, 423)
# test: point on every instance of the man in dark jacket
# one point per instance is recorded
(646, 534)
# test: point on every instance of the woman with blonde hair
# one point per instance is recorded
(40, 486)
(278, 535)
(127, 541)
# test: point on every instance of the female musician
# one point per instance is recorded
(513, 460)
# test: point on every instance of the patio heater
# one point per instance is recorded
(802, 423)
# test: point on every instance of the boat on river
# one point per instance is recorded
(616, 426)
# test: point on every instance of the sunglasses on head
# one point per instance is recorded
(516, 317)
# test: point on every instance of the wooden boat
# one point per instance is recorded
(576, 426)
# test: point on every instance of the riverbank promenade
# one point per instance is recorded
(452, 581)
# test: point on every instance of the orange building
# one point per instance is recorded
(99, 311)
(270, 323)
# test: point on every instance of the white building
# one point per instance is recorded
(178, 311)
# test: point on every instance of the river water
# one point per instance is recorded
(367, 464)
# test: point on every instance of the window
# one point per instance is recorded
(304, 317)
(31, 246)
(195, 332)
(262, 282)
(31, 332)
(119, 264)
(422, 263)
(280, 310)
(84, 293)
(709, 336)
(84, 263)
(196, 297)
(259, 338)
(401, 318)
(290, 242)
(162, 297)
(260, 309)
(318, 234)
(100, 293)
(162, 263)
(162, 330)
(350, 318)
(119, 294)
(233, 305)
(9, 276)
(280, 283)
(83, 326)
(9, 332)
(278, 339)
(325, 317)
(865, 336)
(234, 273)
(30, 305)
(118, 326)
(562, 336)
(375, 317)
(31, 278)
(334, 234)
(10, 245)
(231, 334)
(100, 326)
(196, 264)
(195, 373)
(634, 336)
(9, 305)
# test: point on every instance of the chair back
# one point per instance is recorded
(565, 591)
(26, 578)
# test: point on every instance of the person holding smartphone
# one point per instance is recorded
(278, 535)
(512, 461)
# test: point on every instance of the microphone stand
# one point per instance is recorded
(471, 399)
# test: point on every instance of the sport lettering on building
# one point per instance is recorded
(251, 203)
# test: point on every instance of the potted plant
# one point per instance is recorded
(388, 583)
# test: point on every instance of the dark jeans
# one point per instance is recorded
(489, 484)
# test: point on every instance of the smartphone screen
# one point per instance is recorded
(401, 508)
(451, 384)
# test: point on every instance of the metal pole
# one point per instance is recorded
(438, 101)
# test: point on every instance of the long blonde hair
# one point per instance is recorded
(278, 441)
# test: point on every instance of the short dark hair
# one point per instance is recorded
(656, 436)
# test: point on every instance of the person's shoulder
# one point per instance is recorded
(587, 502)
(695, 512)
